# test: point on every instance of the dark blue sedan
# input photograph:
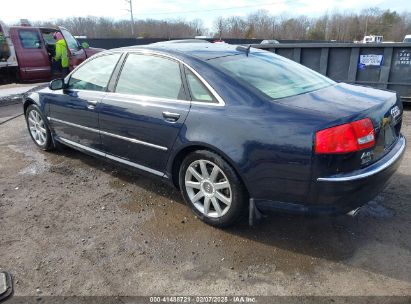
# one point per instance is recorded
(226, 125)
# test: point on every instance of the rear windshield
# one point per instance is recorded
(271, 74)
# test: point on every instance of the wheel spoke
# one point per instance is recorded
(214, 173)
(31, 115)
(195, 174)
(206, 205)
(196, 197)
(221, 185)
(203, 168)
(223, 198)
(216, 206)
(43, 130)
(42, 139)
(191, 184)
(31, 120)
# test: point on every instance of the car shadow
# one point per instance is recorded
(375, 240)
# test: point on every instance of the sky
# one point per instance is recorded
(207, 10)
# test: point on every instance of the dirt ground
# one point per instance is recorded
(71, 224)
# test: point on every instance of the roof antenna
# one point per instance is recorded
(248, 50)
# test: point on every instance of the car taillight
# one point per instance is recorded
(345, 138)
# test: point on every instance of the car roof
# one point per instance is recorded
(203, 51)
(182, 41)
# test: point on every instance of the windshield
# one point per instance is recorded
(407, 40)
(272, 75)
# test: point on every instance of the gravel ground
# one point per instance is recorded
(71, 224)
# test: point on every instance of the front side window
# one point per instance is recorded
(152, 76)
(272, 74)
(198, 91)
(30, 39)
(72, 43)
(95, 74)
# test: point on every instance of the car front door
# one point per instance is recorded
(141, 119)
(76, 53)
(73, 111)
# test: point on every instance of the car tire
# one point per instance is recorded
(212, 188)
(38, 128)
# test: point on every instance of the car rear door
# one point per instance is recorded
(141, 119)
(76, 53)
(34, 63)
(74, 110)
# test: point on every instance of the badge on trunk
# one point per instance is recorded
(395, 112)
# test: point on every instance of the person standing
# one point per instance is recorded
(61, 54)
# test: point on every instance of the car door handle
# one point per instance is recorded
(171, 117)
(91, 104)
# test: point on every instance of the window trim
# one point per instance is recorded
(220, 102)
(117, 70)
(68, 77)
(32, 31)
(147, 97)
(214, 101)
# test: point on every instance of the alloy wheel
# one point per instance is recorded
(37, 127)
(208, 188)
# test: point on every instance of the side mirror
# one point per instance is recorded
(56, 84)
(85, 45)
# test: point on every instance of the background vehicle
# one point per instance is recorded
(373, 39)
(272, 41)
(34, 48)
(226, 124)
(8, 59)
(407, 39)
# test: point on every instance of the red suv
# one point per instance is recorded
(34, 49)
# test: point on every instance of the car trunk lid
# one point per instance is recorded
(344, 103)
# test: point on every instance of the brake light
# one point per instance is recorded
(345, 138)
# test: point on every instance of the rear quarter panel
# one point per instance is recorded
(268, 144)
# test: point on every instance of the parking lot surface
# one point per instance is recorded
(71, 224)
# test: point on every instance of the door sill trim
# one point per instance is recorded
(109, 156)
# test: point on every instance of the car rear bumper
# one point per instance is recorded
(342, 193)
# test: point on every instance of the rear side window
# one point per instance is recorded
(152, 76)
(95, 74)
(197, 89)
(29, 39)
